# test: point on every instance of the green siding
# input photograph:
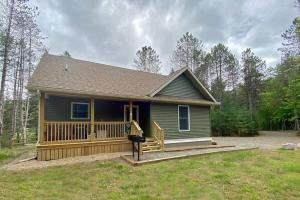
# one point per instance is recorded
(181, 87)
(58, 108)
(166, 115)
(109, 110)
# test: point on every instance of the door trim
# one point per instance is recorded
(137, 112)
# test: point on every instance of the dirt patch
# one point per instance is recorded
(266, 139)
(16, 165)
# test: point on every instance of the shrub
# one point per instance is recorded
(233, 121)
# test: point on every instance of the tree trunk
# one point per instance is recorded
(4, 68)
(21, 86)
(15, 104)
(28, 96)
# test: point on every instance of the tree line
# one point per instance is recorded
(20, 48)
(253, 96)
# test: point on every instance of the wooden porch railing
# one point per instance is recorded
(56, 132)
(66, 131)
(110, 130)
(136, 129)
(158, 134)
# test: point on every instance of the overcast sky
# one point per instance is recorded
(111, 32)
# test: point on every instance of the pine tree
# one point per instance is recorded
(223, 68)
(67, 54)
(147, 60)
(252, 67)
(189, 53)
(291, 43)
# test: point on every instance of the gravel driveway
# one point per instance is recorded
(266, 139)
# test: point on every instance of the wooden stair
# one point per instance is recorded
(150, 146)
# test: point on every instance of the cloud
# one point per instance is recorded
(112, 31)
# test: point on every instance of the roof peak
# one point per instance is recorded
(105, 65)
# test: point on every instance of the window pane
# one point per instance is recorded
(183, 112)
(80, 111)
(183, 124)
(183, 118)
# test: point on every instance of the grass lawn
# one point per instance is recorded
(8, 154)
(256, 174)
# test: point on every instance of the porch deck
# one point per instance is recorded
(101, 131)
(70, 139)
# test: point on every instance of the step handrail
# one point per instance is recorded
(158, 134)
(136, 129)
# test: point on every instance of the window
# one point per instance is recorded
(79, 110)
(183, 118)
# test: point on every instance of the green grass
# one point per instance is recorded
(7, 154)
(256, 174)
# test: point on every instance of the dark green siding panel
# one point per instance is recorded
(166, 115)
(58, 108)
(109, 110)
(181, 87)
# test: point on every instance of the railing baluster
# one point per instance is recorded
(72, 131)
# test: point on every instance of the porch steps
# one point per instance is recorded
(150, 145)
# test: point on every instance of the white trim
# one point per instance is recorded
(189, 124)
(84, 103)
(202, 86)
(188, 140)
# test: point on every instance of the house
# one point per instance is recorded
(84, 107)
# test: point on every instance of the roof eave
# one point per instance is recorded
(117, 97)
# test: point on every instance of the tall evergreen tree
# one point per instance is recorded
(252, 67)
(291, 43)
(67, 54)
(147, 60)
(8, 21)
(189, 53)
(223, 68)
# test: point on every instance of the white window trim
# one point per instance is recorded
(189, 119)
(85, 103)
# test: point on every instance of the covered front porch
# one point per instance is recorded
(75, 126)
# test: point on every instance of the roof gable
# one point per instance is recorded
(194, 83)
(181, 86)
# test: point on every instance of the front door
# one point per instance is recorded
(135, 113)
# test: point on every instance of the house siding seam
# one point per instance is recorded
(166, 115)
(181, 87)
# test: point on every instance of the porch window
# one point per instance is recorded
(183, 118)
(79, 110)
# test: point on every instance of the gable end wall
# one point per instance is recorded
(181, 87)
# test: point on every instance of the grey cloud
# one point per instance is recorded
(112, 31)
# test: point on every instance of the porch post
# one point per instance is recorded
(41, 126)
(92, 119)
(130, 111)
